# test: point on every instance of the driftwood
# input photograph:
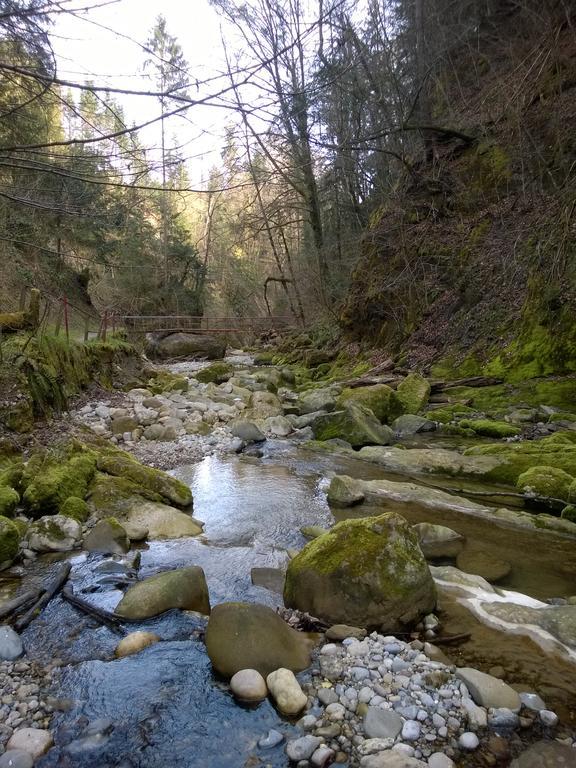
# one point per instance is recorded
(109, 620)
(471, 381)
(368, 381)
(51, 590)
(445, 400)
(452, 639)
(11, 606)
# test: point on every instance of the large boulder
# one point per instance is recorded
(369, 572)
(108, 537)
(317, 400)
(50, 481)
(183, 588)
(54, 533)
(252, 636)
(9, 499)
(355, 424)
(413, 393)
(263, 405)
(380, 398)
(186, 345)
(545, 482)
(438, 541)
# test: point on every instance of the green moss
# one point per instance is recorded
(22, 526)
(517, 458)
(545, 482)
(50, 480)
(123, 465)
(562, 416)
(567, 438)
(487, 428)
(413, 393)
(9, 499)
(216, 373)
(355, 424)
(379, 398)
(164, 381)
(569, 513)
(447, 413)
(11, 474)
(9, 540)
(75, 508)
(115, 495)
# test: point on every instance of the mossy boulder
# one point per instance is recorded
(251, 636)
(317, 400)
(345, 491)
(413, 393)
(121, 464)
(189, 345)
(108, 537)
(264, 405)
(164, 381)
(569, 513)
(368, 572)
(161, 520)
(75, 508)
(50, 481)
(448, 413)
(9, 499)
(488, 428)
(184, 588)
(216, 373)
(9, 540)
(109, 495)
(379, 398)
(512, 459)
(545, 482)
(54, 533)
(354, 423)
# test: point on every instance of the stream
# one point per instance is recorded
(164, 706)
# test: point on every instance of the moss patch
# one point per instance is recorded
(379, 398)
(545, 482)
(9, 499)
(517, 458)
(413, 393)
(123, 465)
(9, 540)
(488, 428)
(75, 508)
(50, 480)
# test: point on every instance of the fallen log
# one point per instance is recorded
(51, 590)
(453, 639)
(369, 381)
(471, 381)
(103, 617)
(11, 606)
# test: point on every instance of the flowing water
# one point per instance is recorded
(164, 705)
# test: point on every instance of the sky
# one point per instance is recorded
(94, 46)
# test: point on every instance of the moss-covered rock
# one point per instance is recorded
(252, 636)
(114, 496)
(9, 499)
(9, 540)
(263, 405)
(317, 400)
(369, 572)
(447, 413)
(345, 492)
(379, 398)
(49, 481)
(164, 381)
(545, 482)
(512, 459)
(183, 588)
(413, 393)
(108, 537)
(355, 424)
(54, 533)
(161, 520)
(122, 465)
(75, 508)
(569, 513)
(488, 428)
(216, 373)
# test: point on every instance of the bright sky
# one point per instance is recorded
(88, 49)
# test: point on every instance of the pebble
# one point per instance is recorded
(248, 685)
(469, 741)
(548, 718)
(11, 646)
(35, 741)
(411, 730)
(272, 739)
(302, 748)
(16, 758)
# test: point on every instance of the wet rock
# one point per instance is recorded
(409, 424)
(161, 520)
(440, 760)
(278, 426)
(368, 571)
(248, 685)
(190, 345)
(302, 748)
(252, 636)
(183, 588)
(134, 643)
(16, 758)
(248, 432)
(438, 540)
(342, 631)
(355, 424)
(483, 564)
(272, 739)
(11, 646)
(469, 741)
(108, 537)
(317, 400)
(311, 532)
(54, 533)
(35, 741)
(488, 691)
(345, 491)
(135, 532)
(546, 754)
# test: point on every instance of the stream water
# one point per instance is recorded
(164, 706)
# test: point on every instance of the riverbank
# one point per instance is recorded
(254, 487)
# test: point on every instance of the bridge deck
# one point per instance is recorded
(196, 324)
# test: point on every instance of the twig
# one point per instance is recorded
(104, 617)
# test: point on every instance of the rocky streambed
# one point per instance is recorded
(267, 462)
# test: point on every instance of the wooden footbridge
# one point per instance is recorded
(203, 325)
